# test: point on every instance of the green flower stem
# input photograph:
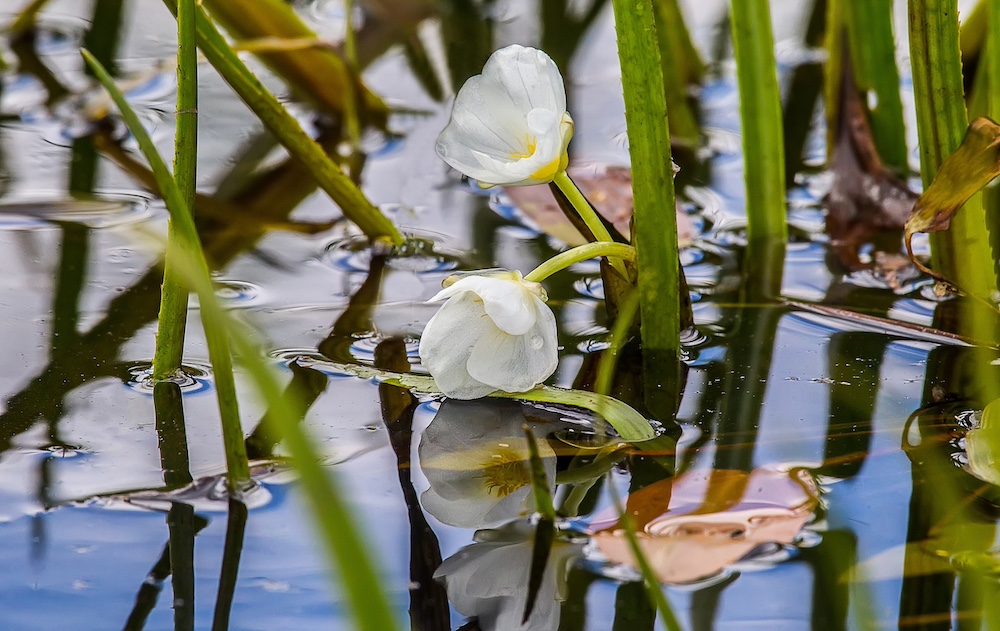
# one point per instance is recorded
(352, 202)
(760, 117)
(586, 252)
(187, 245)
(174, 295)
(586, 212)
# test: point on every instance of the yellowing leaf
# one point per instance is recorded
(971, 167)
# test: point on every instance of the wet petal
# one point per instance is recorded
(517, 363)
(448, 340)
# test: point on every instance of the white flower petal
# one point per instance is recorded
(508, 125)
(448, 340)
(529, 76)
(517, 363)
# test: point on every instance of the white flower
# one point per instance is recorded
(488, 580)
(509, 125)
(494, 333)
(476, 459)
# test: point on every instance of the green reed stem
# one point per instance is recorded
(655, 220)
(188, 246)
(352, 103)
(760, 116)
(580, 253)
(174, 294)
(313, 71)
(873, 54)
(353, 203)
(992, 8)
(587, 213)
(941, 124)
(649, 578)
(680, 66)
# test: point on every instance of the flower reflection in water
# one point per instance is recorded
(475, 457)
(488, 580)
(713, 520)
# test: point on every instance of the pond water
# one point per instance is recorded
(821, 475)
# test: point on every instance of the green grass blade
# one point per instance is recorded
(340, 534)
(182, 225)
(941, 124)
(760, 116)
(655, 229)
(353, 203)
(174, 295)
(347, 551)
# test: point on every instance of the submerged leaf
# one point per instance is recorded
(971, 167)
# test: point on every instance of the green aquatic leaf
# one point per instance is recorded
(630, 425)
(982, 445)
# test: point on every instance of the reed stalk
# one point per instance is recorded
(317, 73)
(962, 252)
(654, 232)
(188, 245)
(174, 294)
(353, 203)
(680, 66)
(25, 20)
(868, 24)
(760, 117)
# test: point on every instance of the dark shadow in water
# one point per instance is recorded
(171, 434)
(232, 550)
(830, 561)
(854, 360)
(428, 597)
(804, 89)
(177, 559)
(305, 387)
(633, 609)
(705, 604)
(573, 612)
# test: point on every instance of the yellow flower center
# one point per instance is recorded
(532, 144)
(547, 172)
(504, 473)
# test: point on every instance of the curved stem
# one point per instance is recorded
(587, 213)
(569, 257)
